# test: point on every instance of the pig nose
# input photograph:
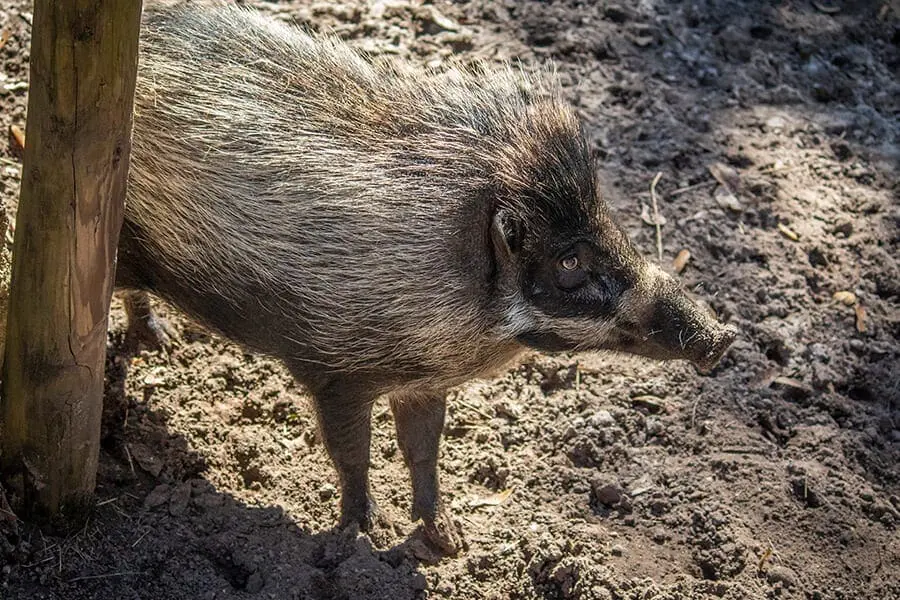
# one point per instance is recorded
(710, 350)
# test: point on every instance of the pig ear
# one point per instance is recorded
(506, 233)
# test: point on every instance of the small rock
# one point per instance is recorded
(776, 124)
(327, 492)
(602, 418)
(842, 150)
(178, 501)
(418, 582)
(783, 575)
(642, 41)
(146, 459)
(616, 13)
(617, 550)
(660, 535)
(254, 583)
(442, 21)
(725, 199)
(844, 228)
(607, 494)
(157, 377)
(651, 404)
(157, 497)
(845, 297)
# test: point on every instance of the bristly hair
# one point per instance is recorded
(546, 170)
(353, 192)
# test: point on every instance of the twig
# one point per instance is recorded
(691, 188)
(128, 455)
(138, 541)
(474, 409)
(653, 197)
(40, 562)
(104, 576)
(781, 169)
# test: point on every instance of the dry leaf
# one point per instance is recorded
(157, 377)
(681, 260)
(726, 176)
(828, 9)
(761, 567)
(764, 379)
(726, 199)
(16, 140)
(442, 21)
(4, 37)
(790, 382)
(492, 500)
(147, 459)
(788, 232)
(652, 404)
(642, 41)
(861, 318)
(845, 297)
(647, 216)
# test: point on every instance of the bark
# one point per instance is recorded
(83, 69)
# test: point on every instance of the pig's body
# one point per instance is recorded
(299, 200)
(382, 231)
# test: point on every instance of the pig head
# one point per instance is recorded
(571, 279)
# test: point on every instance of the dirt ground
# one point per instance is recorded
(776, 127)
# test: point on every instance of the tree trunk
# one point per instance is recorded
(83, 69)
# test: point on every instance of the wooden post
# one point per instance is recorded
(78, 140)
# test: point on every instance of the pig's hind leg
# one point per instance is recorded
(144, 326)
(420, 420)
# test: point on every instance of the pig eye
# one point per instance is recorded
(569, 272)
(569, 263)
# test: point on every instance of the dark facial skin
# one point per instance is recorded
(597, 278)
(573, 277)
(576, 281)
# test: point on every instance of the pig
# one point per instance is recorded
(384, 231)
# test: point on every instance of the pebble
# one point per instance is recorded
(158, 497)
(776, 124)
(327, 491)
(607, 494)
(783, 575)
(602, 418)
(418, 582)
(254, 583)
(178, 501)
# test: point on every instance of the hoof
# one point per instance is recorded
(152, 333)
(445, 534)
(372, 521)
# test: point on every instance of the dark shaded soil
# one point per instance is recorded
(775, 477)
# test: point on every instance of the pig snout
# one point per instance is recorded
(682, 328)
(661, 321)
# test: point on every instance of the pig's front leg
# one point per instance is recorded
(420, 421)
(345, 414)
